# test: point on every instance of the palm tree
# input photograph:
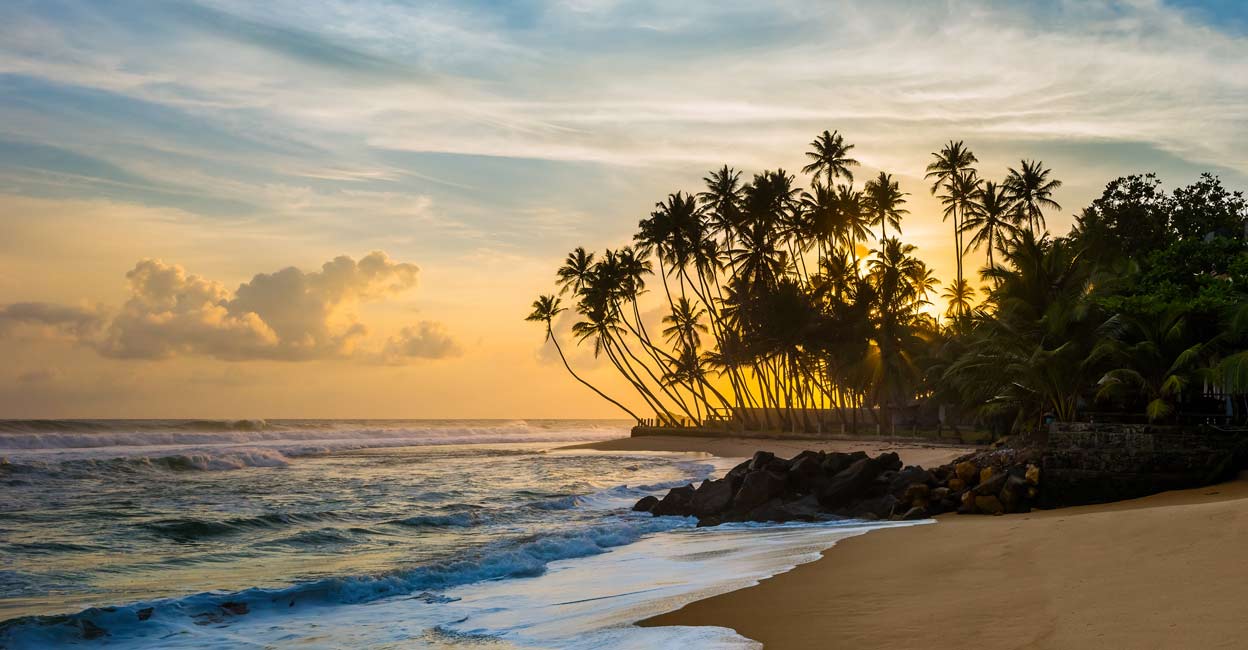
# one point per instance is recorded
(575, 271)
(830, 156)
(991, 219)
(951, 164)
(884, 199)
(545, 309)
(958, 199)
(958, 296)
(1032, 192)
(684, 324)
(1158, 362)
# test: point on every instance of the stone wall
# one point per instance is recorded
(1096, 463)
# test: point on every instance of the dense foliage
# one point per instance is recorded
(798, 301)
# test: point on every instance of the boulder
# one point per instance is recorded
(991, 486)
(712, 498)
(849, 483)
(989, 505)
(917, 495)
(646, 504)
(679, 501)
(760, 460)
(757, 489)
(986, 474)
(890, 461)
(806, 509)
(880, 507)
(967, 507)
(914, 513)
(837, 462)
(967, 472)
(956, 484)
(939, 494)
(1013, 494)
(1032, 475)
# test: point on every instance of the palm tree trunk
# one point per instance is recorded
(550, 334)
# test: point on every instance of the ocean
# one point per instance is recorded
(365, 534)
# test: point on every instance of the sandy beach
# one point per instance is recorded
(911, 453)
(1160, 572)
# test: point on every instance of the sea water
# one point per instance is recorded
(361, 534)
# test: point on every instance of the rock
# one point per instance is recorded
(757, 489)
(646, 504)
(992, 486)
(806, 473)
(890, 461)
(939, 494)
(966, 471)
(849, 483)
(985, 474)
(914, 513)
(706, 522)
(989, 505)
(806, 509)
(968, 503)
(147, 612)
(1033, 475)
(917, 495)
(91, 631)
(760, 460)
(679, 501)
(956, 484)
(712, 498)
(1013, 494)
(880, 507)
(837, 462)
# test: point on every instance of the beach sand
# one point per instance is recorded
(927, 455)
(1165, 571)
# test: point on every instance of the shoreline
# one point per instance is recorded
(1155, 572)
(911, 453)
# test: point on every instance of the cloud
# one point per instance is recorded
(287, 315)
(425, 340)
(51, 319)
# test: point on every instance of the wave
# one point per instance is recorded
(191, 528)
(205, 460)
(525, 557)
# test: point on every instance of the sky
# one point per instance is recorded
(316, 208)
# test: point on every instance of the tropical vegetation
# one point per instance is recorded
(804, 308)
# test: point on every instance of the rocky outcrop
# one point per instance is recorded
(817, 485)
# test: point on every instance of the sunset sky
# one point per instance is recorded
(338, 209)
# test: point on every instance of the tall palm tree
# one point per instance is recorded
(830, 157)
(1032, 191)
(951, 163)
(856, 219)
(884, 199)
(991, 219)
(958, 199)
(545, 309)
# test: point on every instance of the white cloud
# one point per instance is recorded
(425, 340)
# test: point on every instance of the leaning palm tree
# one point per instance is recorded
(830, 156)
(545, 309)
(991, 219)
(1032, 191)
(951, 163)
(884, 199)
